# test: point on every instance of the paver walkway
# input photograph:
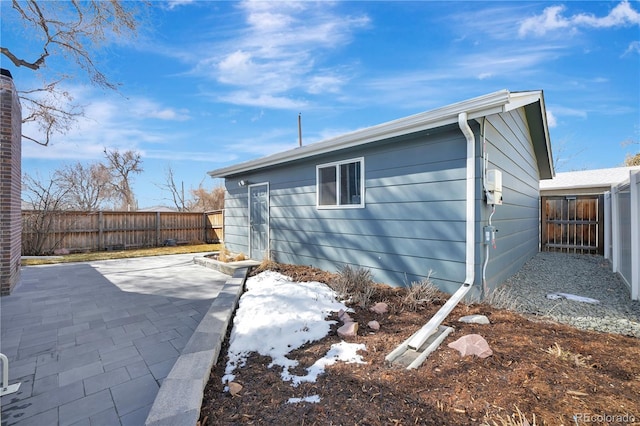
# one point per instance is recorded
(91, 342)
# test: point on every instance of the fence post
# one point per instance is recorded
(634, 188)
(204, 227)
(607, 225)
(615, 229)
(157, 229)
(101, 245)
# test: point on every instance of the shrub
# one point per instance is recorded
(502, 298)
(420, 293)
(355, 284)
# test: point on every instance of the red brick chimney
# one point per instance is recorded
(10, 183)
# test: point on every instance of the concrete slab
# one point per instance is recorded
(87, 339)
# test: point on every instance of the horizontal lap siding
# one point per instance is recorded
(517, 220)
(413, 221)
(236, 236)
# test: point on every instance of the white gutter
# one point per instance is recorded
(418, 339)
(481, 106)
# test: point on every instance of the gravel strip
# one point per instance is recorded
(581, 275)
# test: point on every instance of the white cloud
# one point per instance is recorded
(570, 112)
(633, 48)
(552, 19)
(325, 84)
(192, 156)
(266, 143)
(172, 4)
(146, 108)
(279, 53)
(110, 121)
(262, 100)
(551, 119)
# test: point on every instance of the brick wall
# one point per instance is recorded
(10, 184)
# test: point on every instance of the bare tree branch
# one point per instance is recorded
(177, 194)
(122, 167)
(74, 30)
(87, 187)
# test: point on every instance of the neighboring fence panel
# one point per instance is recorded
(96, 231)
(625, 233)
(573, 224)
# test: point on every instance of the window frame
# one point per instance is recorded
(337, 166)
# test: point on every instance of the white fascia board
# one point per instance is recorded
(491, 103)
(520, 99)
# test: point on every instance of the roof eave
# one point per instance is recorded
(536, 112)
(492, 103)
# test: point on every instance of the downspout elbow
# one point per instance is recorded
(470, 198)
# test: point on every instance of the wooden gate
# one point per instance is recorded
(573, 224)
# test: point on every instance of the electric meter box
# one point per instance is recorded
(493, 186)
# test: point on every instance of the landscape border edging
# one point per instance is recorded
(179, 399)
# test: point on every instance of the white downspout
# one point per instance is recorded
(421, 336)
(471, 197)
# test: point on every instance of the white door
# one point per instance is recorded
(258, 221)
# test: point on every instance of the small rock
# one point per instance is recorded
(374, 325)
(475, 319)
(234, 388)
(349, 329)
(344, 317)
(379, 308)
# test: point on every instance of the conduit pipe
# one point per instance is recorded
(420, 337)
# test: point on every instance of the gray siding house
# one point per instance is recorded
(405, 199)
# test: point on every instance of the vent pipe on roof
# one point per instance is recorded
(300, 129)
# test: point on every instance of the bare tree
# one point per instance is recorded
(72, 30)
(207, 200)
(47, 201)
(122, 167)
(87, 187)
(176, 192)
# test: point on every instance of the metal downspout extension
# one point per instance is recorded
(421, 336)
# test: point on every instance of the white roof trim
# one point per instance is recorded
(481, 106)
(582, 179)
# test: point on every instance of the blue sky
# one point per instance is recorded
(208, 84)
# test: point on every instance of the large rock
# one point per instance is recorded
(379, 308)
(472, 344)
(348, 329)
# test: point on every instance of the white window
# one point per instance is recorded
(341, 184)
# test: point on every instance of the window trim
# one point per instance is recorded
(336, 165)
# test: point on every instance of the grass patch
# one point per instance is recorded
(120, 254)
(503, 298)
(577, 359)
(516, 419)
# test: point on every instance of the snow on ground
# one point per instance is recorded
(275, 316)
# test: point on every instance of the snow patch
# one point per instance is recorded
(276, 316)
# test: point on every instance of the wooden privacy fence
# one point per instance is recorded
(573, 224)
(113, 230)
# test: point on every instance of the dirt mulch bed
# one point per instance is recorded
(540, 368)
